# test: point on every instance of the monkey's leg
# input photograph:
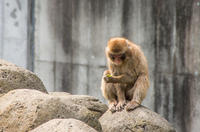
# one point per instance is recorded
(120, 97)
(138, 92)
(111, 95)
(109, 92)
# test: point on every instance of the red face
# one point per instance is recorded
(117, 58)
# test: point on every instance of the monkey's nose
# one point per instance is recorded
(117, 61)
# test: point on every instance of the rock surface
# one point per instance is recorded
(139, 120)
(24, 109)
(91, 103)
(59, 93)
(64, 125)
(13, 77)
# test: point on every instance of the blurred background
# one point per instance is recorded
(63, 42)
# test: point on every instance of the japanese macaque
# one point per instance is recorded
(126, 81)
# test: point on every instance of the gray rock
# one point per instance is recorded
(24, 109)
(139, 120)
(59, 93)
(91, 103)
(13, 77)
(64, 125)
(5, 63)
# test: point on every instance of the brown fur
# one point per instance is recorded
(130, 80)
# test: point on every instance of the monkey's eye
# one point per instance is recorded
(112, 56)
(123, 57)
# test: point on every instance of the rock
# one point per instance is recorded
(24, 109)
(139, 120)
(91, 103)
(5, 63)
(59, 93)
(13, 77)
(64, 125)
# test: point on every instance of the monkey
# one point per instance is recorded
(126, 81)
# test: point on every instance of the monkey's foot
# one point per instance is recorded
(112, 106)
(120, 106)
(132, 105)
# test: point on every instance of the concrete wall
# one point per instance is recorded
(13, 31)
(177, 62)
(70, 37)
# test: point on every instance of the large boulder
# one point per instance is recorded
(64, 125)
(24, 109)
(14, 77)
(59, 93)
(91, 103)
(139, 120)
(5, 63)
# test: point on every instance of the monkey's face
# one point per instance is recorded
(117, 59)
(117, 50)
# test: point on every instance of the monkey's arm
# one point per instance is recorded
(124, 78)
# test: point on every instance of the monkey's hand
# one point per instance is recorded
(112, 106)
(108, 78)
(120, 106)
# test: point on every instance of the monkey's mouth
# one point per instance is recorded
(117, 61)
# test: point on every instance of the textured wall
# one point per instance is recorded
(13, 31)
(177, 62)
(70, 37)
